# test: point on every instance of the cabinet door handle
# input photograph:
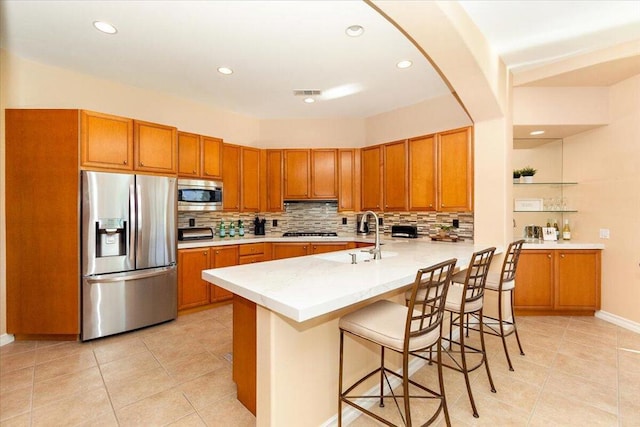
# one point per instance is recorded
(141, 164)
(217, 252)
(562, 256)
(549, 256)
(204, 253)
(124, 162)
(194, 172)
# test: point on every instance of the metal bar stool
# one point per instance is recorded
(465, 298)
(405, 330)
(502, 282)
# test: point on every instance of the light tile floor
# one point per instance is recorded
(578, 371)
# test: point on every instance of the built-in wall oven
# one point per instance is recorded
(199, 195)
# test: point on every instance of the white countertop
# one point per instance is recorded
(307, 287)
(563, 245)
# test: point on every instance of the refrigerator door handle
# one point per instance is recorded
(119, 277)
(133, 223)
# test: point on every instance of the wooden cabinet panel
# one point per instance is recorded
(244, 351)
(321, 248)
(106, 141)
(274, 181)
(42, 182)
(395, 176)
(371, 178)
(188, 154)
(297, 174)
(155, 148)
(231, 177)
(534, 280)
(558, 282)
(223, 256)
(252, 249)
(250, 180)
(422, 173)
(455, 166)
(347, 188)
(192, 290)
(578, 279)
(289, 250)
(211, 157)
(324, 174)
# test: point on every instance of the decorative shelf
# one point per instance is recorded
(550, 211)
(544, 183)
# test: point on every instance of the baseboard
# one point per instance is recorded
(6, 339)
(619, 321)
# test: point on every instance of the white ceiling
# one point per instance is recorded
(278, 47)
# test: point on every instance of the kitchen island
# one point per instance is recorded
(297, 303)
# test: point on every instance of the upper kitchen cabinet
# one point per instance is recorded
(348, 179)
(310, 174)
(250, 179)
(231, 177)
(199, 156)
(324, 174)
(106, 141)
(371, 165)
(155, 148)
(274, 180)
(395, 176)
(422, 173)
(455, 166)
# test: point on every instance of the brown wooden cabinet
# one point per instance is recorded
(395, 176)
(155, 148)
(422, 173)
(250, 180)
(42, 182)
(274, 180)
(192, 290)
(324, 174)
(348, 179)
(199, 156)
(310, 174)
(371, 165)
(321, 248)
(455, 170)
(222, 256)
(558, 282)
(289, 250)
(106, 141)
(231, 177)
(297, 173)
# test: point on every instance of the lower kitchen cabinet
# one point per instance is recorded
(222, 256)
(192, 290)
(558, 282)
(291, 250)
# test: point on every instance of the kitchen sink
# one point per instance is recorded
(361, 256)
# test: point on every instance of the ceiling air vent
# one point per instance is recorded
(307, 92)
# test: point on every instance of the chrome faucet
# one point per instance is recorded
(376, 249)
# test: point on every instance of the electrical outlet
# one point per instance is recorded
(604, 233)
(344, 221)
(456, 223)
(274, 223)
(192, 222)
(380, 221)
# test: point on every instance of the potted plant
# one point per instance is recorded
(443, 230)
(527, 174)
(516, 176)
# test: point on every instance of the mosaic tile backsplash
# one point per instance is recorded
(324, 217)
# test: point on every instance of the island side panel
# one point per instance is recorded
(298, 368)
(244, 351)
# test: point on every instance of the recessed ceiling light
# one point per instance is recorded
(309, 100)
(536, 132)
(354, 30)
(225, 70)
(105, 27)
(404, 64)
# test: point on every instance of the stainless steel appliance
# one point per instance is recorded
(362, 227)
(129, 275)
(195, 233)
(199, 195)
(407, 231)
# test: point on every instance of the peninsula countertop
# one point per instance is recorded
(307, 287)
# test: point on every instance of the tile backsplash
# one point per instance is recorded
(324, 217)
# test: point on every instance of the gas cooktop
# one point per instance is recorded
(309, 234)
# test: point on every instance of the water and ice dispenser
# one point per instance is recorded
(111, 237)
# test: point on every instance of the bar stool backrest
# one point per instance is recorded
(477, 275)
(427, 302)
(510, 262)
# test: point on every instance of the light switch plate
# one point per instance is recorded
(604, 233)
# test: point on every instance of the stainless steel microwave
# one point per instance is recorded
(199, 195)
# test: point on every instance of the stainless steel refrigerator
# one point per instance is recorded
(129, 277)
